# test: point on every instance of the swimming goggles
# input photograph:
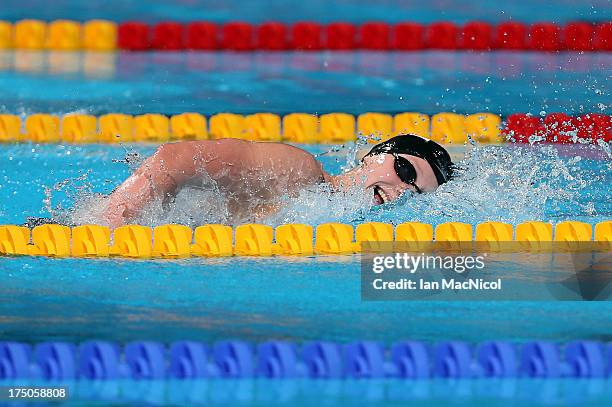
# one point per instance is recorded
(406, 171)
(403, 169)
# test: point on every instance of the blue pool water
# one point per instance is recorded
(258, 299)
(317, 82)
(264, 393)
(310, 298)
(356, 11)
(298, 299)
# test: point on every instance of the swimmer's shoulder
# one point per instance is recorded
(301, 161)
(279, 155)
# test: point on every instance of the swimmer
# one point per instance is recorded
(253, 175)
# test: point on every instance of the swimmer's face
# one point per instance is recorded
(382, 180)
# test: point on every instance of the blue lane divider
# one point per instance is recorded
(187, 360)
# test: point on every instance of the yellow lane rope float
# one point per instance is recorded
(331, 128)
(179, 241)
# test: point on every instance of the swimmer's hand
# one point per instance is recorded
(262, 211)
(114, 217)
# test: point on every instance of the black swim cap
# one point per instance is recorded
(418, 146)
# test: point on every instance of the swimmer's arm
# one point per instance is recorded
(166, 171)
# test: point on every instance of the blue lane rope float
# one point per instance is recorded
(233, 359)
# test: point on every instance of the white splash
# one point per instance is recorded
(497, 183)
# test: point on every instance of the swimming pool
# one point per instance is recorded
(196, 298)
(299, 299)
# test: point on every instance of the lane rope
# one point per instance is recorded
(103, 35)
(234, 359)
(331, 128)
(214, 240)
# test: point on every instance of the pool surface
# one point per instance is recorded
(313, 82)
(300, 298)
(293, 298)
(317, 10)
(257, 299)
(346, 392)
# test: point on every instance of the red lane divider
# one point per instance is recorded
(238, 36)
(545, 37)
(511, 35)
(476, 35)
(134, 36)
(603, 37)
(579, 36)
(306, 36)
(340, 36)
(272, 36)
(558, 127)
(168, 36)
(408, 36)
(202, 36)
(376, 36)
(521, 127)
(441, 36)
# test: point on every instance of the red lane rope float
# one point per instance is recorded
(202, 36)
(272, 36)
(408, 37)
(511, 35)
(558, 128)
(441, 35)
(375, 36)
(476, 35)
(306, 36)
(243, 36)
(340, 36)
(168, 36)
(134, 36)
(545, 37)
(603, 37)
(578, 36)
(238, 36)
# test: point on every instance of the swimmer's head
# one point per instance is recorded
(405, 162)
